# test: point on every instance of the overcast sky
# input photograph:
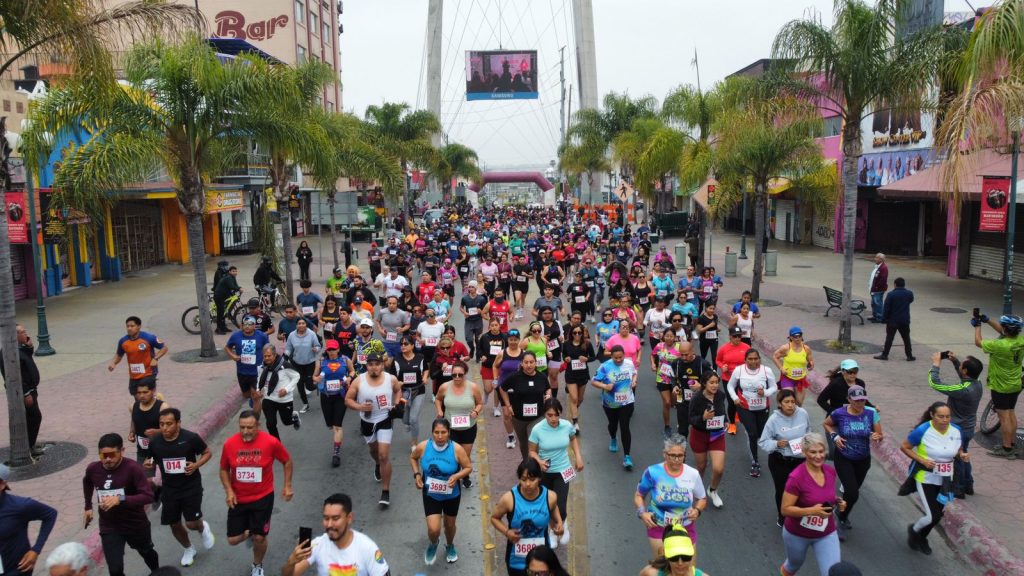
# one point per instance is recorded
(643, 47)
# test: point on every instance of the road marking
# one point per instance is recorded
(484, 488)
(579, 558)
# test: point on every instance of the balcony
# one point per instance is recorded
(255, 166)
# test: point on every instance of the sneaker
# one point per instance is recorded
(296, 421)
(668, 432)
(613, 445)
(841, 531)
(564, 539)
(778, 521)
(188, 556)
(157, 490)
(305, 408)
(846, 524)
(385, 499)
(430, 554)
(755, 470)
(576, 425)
(552, 539)
(911, 358)
(335, 461)
(881, 357)
(376, 472)
(716, 500)
(257, 570)
(208, 538)
(925, 546)
(732, 429)
(451, 555)
(497, 412)
(627, 463)
(467, 482)
(969, 490)
(913, 540)
(510, 442)
(1003, 452)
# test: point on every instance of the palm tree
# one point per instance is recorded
(175, 114)
(76, 32)
(763, 142)
(858, 66)
(405, 134)
(456, 160)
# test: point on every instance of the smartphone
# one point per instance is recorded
(944, 355)
(305, 534)
(976, 312)
(829, 506)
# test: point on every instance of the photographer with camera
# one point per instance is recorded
(963, 399)
(1004, 374)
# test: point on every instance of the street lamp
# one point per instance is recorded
(743, 226)
(1011, 218)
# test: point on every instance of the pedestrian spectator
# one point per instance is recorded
(29, 387)
(305, 257)
(1004, 376)
(896, 315)
(227, 286)
(16, 512)
(878, 283)
(964, 397)
(69, 559)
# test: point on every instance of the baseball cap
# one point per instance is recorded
(5, 472)
(514, 332)
(473, 283)
(373, 244)
(795, 331)
(253, 303)
(374, 357)
(856, 393)
(366, 322)
(677, 542)
(844, 569)
(735, 331)
(332, 345)
(249, 320)
(849, 364)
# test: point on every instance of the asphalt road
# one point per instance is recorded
(608, 539)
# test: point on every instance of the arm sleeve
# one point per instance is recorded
(915, 436)
(696, 415)
(823, 397)
(87, 490)
(772, 387)
(144, 493)
(731, 387)
(646, 483)
(767, 440)
(48, 516)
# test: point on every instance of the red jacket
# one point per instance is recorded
(880, 283)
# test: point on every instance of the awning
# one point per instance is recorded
(930, 182)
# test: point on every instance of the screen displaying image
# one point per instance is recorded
(501, 75)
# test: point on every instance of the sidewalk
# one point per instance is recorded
(898, 387)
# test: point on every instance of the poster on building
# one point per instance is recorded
(17, 217)
(54, 226)
(995, 196)
(224, 201)
(889, 167)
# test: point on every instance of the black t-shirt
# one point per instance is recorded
(712, 334)
(478, 302)
(484, 345)
(344, 335)
(402, 367)
(577, 290)
(690, 372)
(571, 352)
(172, 456)
(552, 333)
(526, 393)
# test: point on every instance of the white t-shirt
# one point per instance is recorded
(394, 286)
(657, 320)
(361, 558)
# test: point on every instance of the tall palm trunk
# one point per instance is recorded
(279, 181)
(851, 157)
(408, 192)
(17, 424)
(192, 203)
(334, 234)
(759, 224)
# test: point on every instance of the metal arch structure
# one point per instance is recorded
(513, 178)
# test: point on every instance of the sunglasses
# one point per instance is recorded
(577, 332)
(458, 375)
(446, 348)
(431, 315)
(535, 331)
(854, 371)
(680, 558)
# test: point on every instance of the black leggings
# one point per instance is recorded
(753, 423)
(473, 332)
(708, 345)
(305, 379)
(618, 419)
(140, 541)
(271, 410)
(682, 416)
(553, 481)
(930, 494)
(851, 473)
(780, 466)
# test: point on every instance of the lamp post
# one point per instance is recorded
(1011, 225)
(743, 227)
(43, 334)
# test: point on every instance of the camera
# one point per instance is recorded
(944, 355)
(976, 312)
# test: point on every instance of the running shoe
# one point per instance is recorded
(296, 422)
(576, 425)
(467, 482)
(430, 555)
(497, 412)
(755, 470)
(913, 539)
(613, 446)
(451, 555)
(627, 463)
(1003, 452)
(564, 540)
(841, 531)
(335, 461)
(668, 432)
(732, 429)
(385, 499)
(716, 500)
(376, 472)
(257, 570)
(208, 538)
(188, 556)
(552, 539)
(510, 442)
(846, 524)
(305, 408)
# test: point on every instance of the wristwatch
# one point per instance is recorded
(640, 511)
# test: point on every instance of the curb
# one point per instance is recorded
(206, 426)
(967, 534)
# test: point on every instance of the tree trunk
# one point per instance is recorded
(851, 157)
(197, 256)
(408, 191)
(703, 221)
(17, 424)
(759, 223)
(334, 234)
(279, 182)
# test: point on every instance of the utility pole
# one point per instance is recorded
(561, 78)
(586, 62)
(435, 21)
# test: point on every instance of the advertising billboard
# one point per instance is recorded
(501, 75)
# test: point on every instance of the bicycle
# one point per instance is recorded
(989, 422)
(190, 319)
(272, 300)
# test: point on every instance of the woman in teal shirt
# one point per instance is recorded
(550, 440)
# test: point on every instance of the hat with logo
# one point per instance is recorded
(332, 345)
(849, 364)
(795, 331)
(677, 542)
(374, 357)
(366, 322)
(856, 393)
(735, 331)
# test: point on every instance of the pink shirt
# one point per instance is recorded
(808, 493)
(630, 345)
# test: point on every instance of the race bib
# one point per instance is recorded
(249, 475)
(816, 523)
(329, 327)
(522, 548)
(687, 394)
(662, 293)
(716, 423)
(495, 349)
(943, 468)
(391, 337)
(625, 397)
(796, 373)
(711, 335)
(333, 385)
(568, 474)
(174, 466)
(520, 278)
(757, 403)
(137, 368)
(408, 378)
(542, 361)
(438, 486)
(361, 358)
(553, 344)
(472, 311)
(461, 422)
(307, 310)
(446, 370)
(689, 295)
(578, 365)
(708, 289)
(249, 359)
(143, 441)
(464, 269)
(374, 258)
(116, 492)
(796, 445)
(530, 409)
(644, 300)
(383, 401)
(430, 341)
(665, 370)
(589, 283)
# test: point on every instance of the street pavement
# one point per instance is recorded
(81, 400)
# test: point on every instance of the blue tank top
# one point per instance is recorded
(334, 373)
(531, 518)
(438, 466)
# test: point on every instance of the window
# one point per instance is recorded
(314, 22)
(833, 126)
(327, 30)
(7, 105)
(300, 11)
(20, 107)
(302, 53)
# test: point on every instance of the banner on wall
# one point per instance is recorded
(995, 198)
(17, 217)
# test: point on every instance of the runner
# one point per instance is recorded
(750, 387)
(853, 428)
(794, 361)
(617, 379)
(394, 284)
(731, 355)
(578, 352)
(264, 323)
(425, 289)
(487, 348)
(782, 440)
(530, 510)
(144, 426)
(244, 347)
(687, 370)
(309, 303)
(329, 318)
(275, 386)
(677, 557)
(707, 431)
(506, 363)
(302, 349)
(144, 351)
(522, 395)
(410, 369)
(550, 441)
(536, 343)
(179, 454)
(520, 284)
(333, 375)
(744, 320)
(441, 306)
(707, 332)
(460, 403)
(471, 306)
(656, 320)
(374, 395)
(580, 295)
(247, 475)
(122, 493)
(553, 337)
(625, 339)
(606, 328)
(438, 464)
(808, 505)
(497, 308)
(16, 513)
(663, 360)
(392, 324)
(676, 494)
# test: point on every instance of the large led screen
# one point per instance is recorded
(501, 75)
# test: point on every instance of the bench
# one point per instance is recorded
(834, 298)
